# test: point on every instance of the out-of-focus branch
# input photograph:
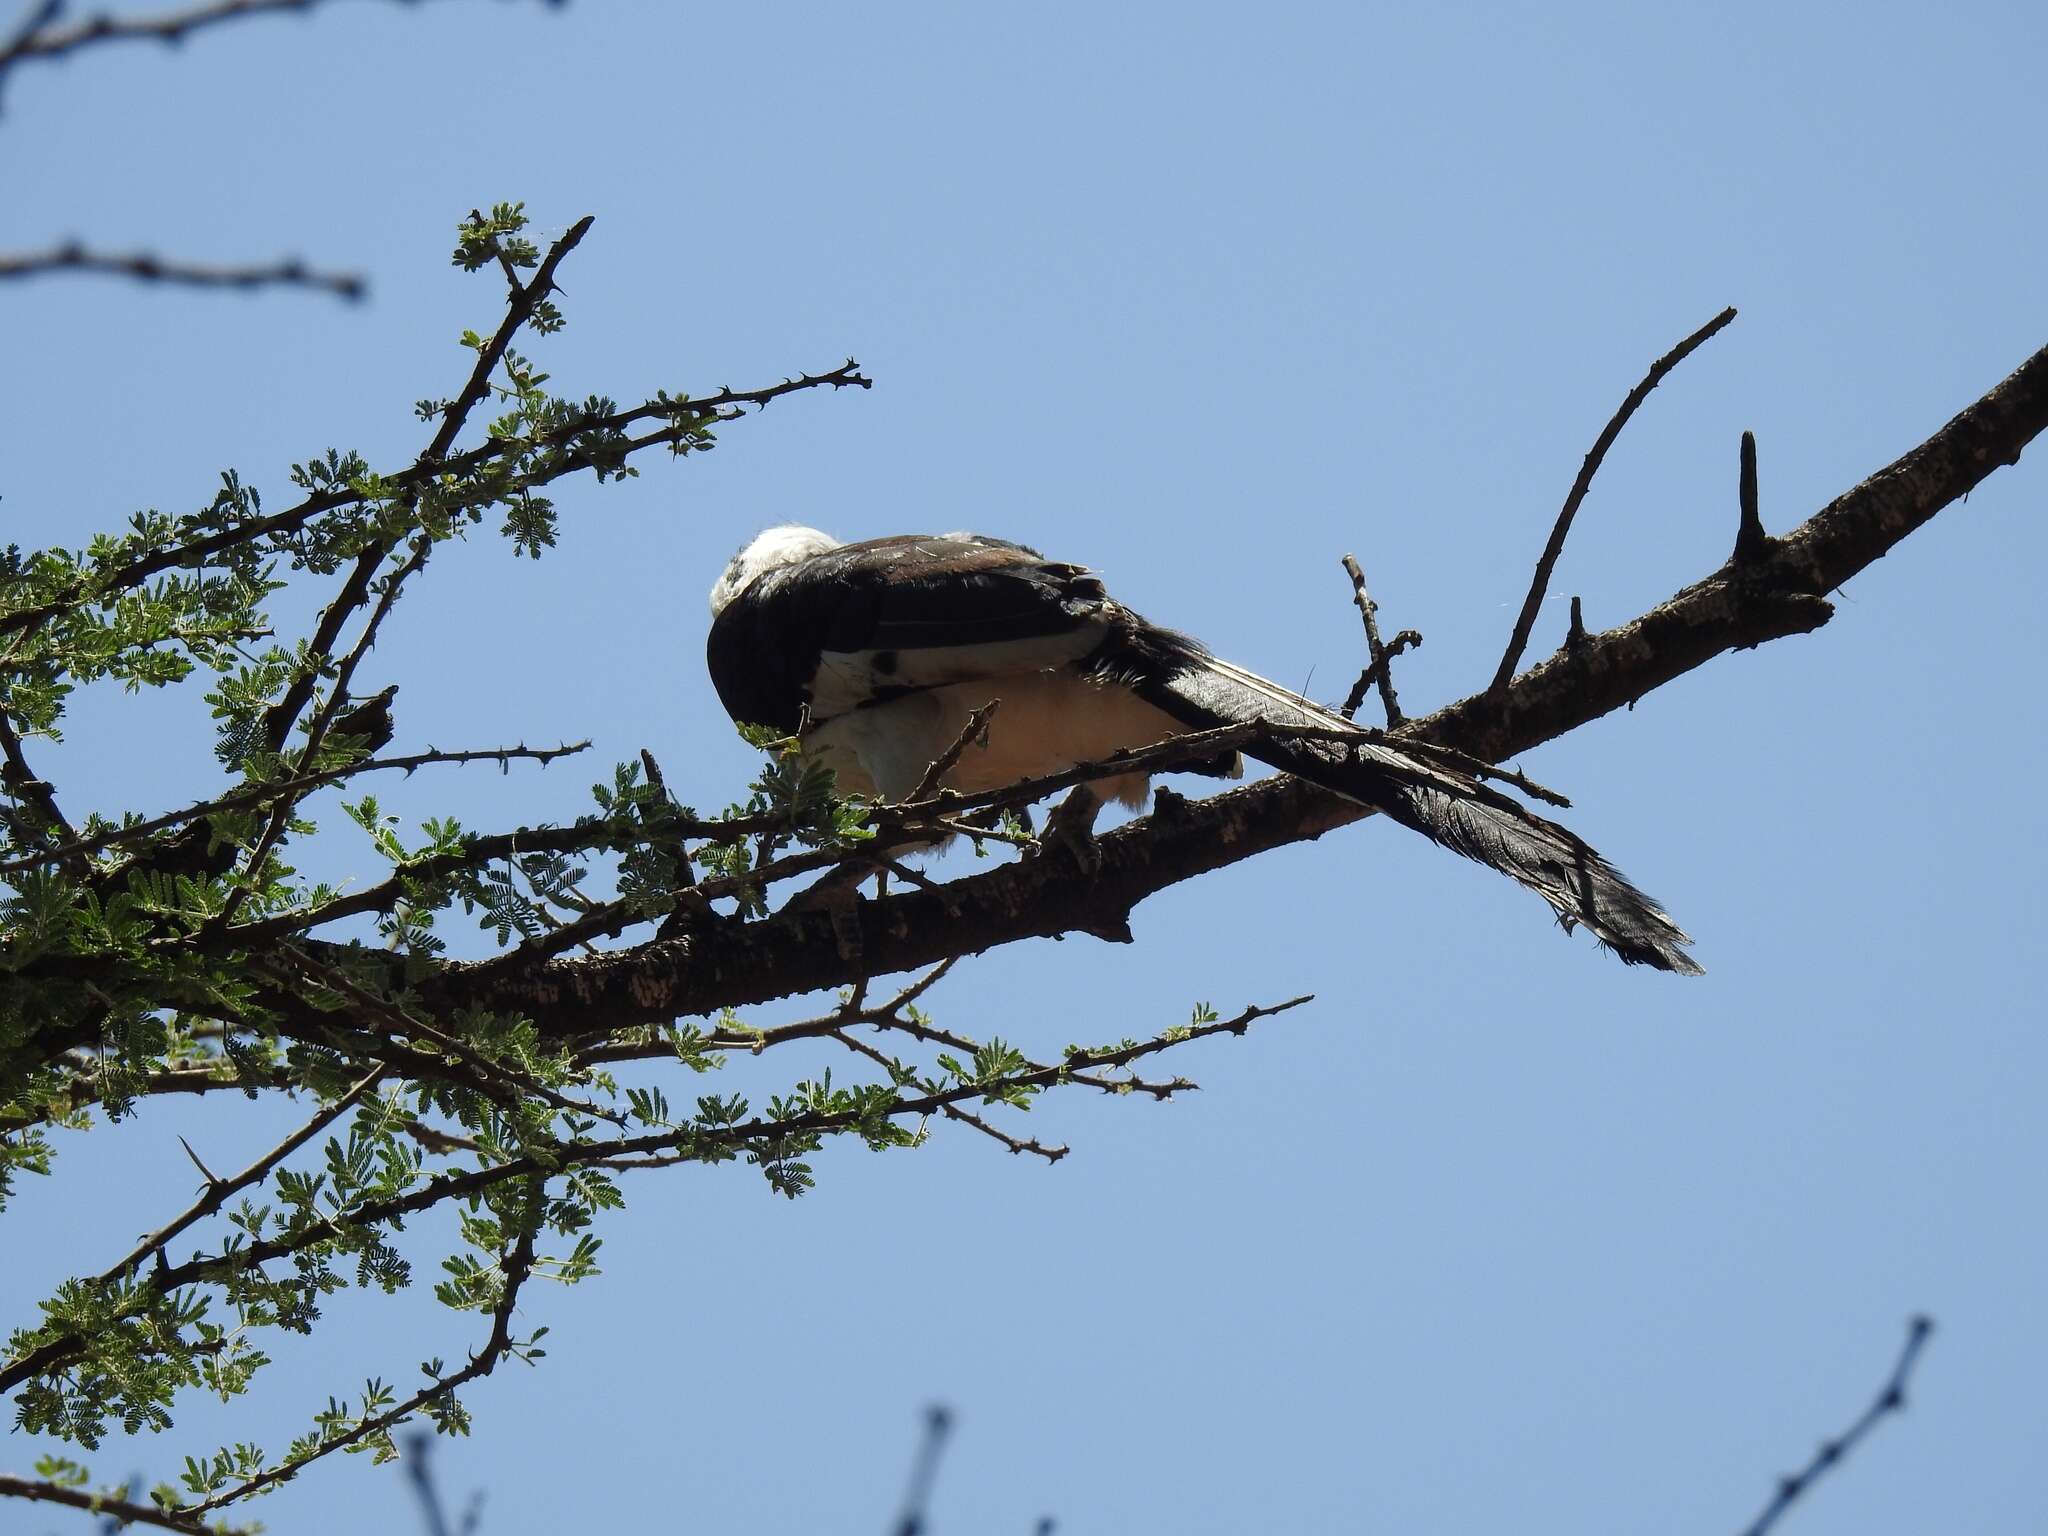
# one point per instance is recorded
(120, 1511)
(1891, 1398)
(39, 36)
(146, 267)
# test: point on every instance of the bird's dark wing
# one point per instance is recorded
(871, 621)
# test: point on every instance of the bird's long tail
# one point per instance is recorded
(1445, 806)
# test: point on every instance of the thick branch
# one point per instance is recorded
(734, 964)
(117, 1512)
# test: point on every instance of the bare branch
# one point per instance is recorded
(146, 267)
(938, 1423)
(976, 728)
(1380, 668)
(1547, 561)
(40, 38)
(1891, 1398)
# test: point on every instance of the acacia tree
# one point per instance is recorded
(177, 951)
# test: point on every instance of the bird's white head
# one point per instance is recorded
(769, 551)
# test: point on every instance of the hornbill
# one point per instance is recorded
(875, 654)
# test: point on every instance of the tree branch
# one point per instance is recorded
(298, 788)
(735, 964)
(695, 1141)
(1891, 1398)
(1547, 561)
(40, 38)
(1380, 665)
(148, 268)
(118, 1511)
(218, 1190)
(682, 413)
(516, 1264)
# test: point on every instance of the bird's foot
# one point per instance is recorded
(837, 896)
(1071, 828)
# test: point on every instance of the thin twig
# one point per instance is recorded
(516, 1265)
(454, 415)
(260, 794)
(976, 728)
(1891, 1398)
(1548, 560)
(36, 40)
(396, 1018)
(63, 1346)
(954, 1112)
(682, 412)
(1379, 669)
(218, 1190)
(924, 1470)
(280, 717)
(146, 267)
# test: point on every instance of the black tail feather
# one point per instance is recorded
(1447, 807)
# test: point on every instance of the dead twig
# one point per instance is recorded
(1378, 669)
(1548, 560)
(976, 729)
(1891, 1398)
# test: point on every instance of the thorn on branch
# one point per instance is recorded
(212, 1182)
(1751, 542)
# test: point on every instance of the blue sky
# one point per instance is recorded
(1495, 1235)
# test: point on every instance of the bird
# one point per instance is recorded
(874, 654)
